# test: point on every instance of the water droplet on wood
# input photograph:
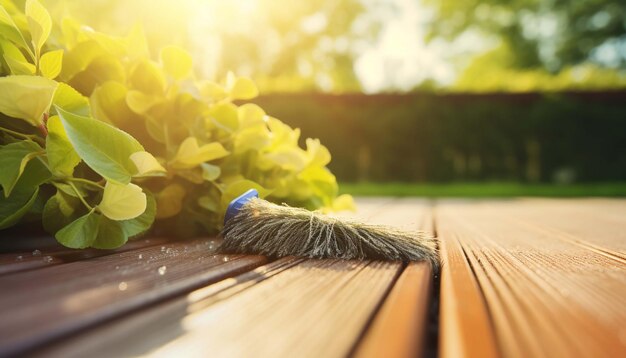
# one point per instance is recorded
(162, 270)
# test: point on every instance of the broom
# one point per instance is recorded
(256, 226)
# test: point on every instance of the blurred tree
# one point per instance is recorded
(552, 34)
(496, 71)
(283, 45)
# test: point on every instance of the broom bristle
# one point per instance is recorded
(261, 227)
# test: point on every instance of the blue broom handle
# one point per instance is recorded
(238, 202)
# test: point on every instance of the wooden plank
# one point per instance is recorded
(41, 255)
(545, 296)
(42, 305)
(569, 220)
(11, 241)
(315, 308)
(465, 328)
(404, 213)
(399, 328)
(368, 207)
(137, 334)
(312, 308)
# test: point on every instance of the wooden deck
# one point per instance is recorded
(520, 278)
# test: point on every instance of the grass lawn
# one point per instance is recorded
(496, 189)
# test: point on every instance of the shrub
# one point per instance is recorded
(98, 140)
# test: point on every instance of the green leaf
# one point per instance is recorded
(176, 62)
(60, 210)
(23, 196)
(191, 155)
(147, 78)
(287, 158)
(256, 137)
(39, 24)
(143, 222)
(50, 63)
(108, 103)
(78, 58)
(241, 87)
(210, 172)
(34, 174)
(111, 234)
(13, 208)
(212, 91)
(343, 202)
(225, 115)
(62, 158)
(209, 203)
(26, 97)
(140, 102)
(146, 164)
(282, 134)
(71, 100)
(13, 160)
(92, 230)
(101, 69)
(20, 67)
(15, 59)
(103, 147)
(250, 114)
(170, 201)
(80, 233)
(317, 153)
(69, 189)
(9, 30)
(122, 202)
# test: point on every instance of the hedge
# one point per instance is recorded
(427, 137)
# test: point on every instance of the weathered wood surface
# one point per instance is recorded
(465, 325)
(43, 253)
(41, 305)
(549, 292)
(521, 277)
(597, 224)
(399, 328)
(291, 307)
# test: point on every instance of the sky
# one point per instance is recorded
(400, 57)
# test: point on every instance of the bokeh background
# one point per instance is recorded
(428, 97)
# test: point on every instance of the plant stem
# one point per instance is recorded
(43, 126)
(84, 181)
(80, 196)
(21, 135)
(43, 129)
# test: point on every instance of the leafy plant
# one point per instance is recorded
(98, 140)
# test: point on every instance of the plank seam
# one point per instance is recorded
(375, 311)
(431, 348)
(490, 317)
